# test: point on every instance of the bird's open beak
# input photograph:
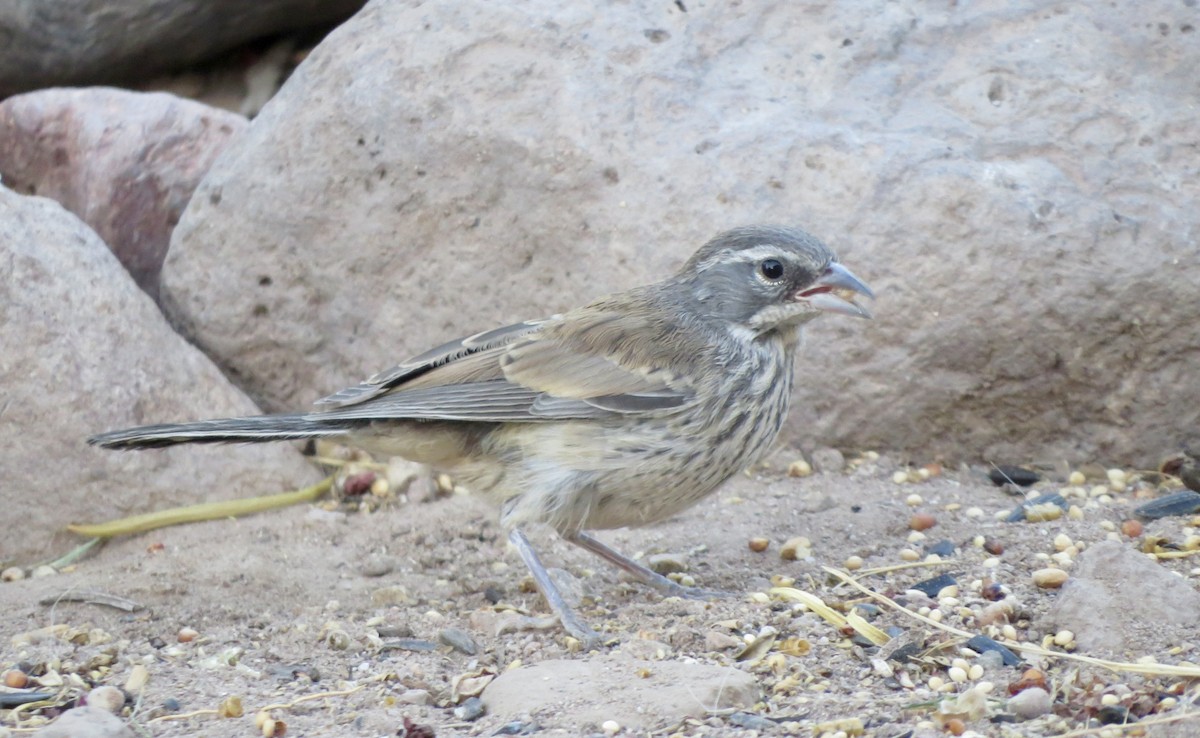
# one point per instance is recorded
(834, 292)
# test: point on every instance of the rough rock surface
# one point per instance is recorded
(86, 722)
(636, 694)
(1016, 180)
(1119, 602)
(58, 42)
(125, 162)
(85, 350)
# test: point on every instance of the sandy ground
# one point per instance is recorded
(305, 601)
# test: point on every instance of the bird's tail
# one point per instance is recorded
(226, 430)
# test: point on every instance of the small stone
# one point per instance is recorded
(377, 566)
(109, 699)
(993, 547)
(922, 521)
(1049, 578)
(759, 544)
(827, 460)
(12, 574)
(470, 710)
(955, 726)
(16, 679)
(1030, 703)
(458, 639)
(415, 697)
(187, 635)
(45, 570)
(667, 563)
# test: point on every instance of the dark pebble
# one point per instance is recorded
(983, 644)
(470, 710)
(907, 652)
(156, 642)
(932, 586)
(493, 595)
(867, 611)
(171, 704)
(1002, 475)
(1186, 502)
(941, 548)
(1115, 715)
(393, 631)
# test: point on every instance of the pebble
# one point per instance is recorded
(415, 697)
(109, 699)
(1131, 528)
(1030, 703)
(45, 570)
(470, 710)
(458, 639)
(922, 521)
(667, 563)
(1050, 578)
(377, 566)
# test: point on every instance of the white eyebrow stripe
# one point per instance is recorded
(756, 253)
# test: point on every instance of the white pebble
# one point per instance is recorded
(1030, 703)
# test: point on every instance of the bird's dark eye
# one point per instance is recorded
(772, 269)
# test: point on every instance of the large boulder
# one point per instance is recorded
(44, 43)
(125, 162)
(1015, 180)
(84, 350)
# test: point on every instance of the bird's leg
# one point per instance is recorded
(644, 575)
(570, 621)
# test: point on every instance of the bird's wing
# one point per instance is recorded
(555, 369)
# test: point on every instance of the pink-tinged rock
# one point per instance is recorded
(125, 162)
(84, 350)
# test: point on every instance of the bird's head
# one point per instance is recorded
(765, 278)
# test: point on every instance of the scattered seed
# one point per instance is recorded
(230, 707)
(795, 549)
(799, 468)
(993, 547)
(907, 554)
(758, 544)
(913, 500)
(16, 679)
(107, 698)
(900, 477)
(1064, 638)
(853, 563)
(955, 726)
(1186, 502)
(1076, 479)
(610, 727)
(1049, 578)
(12, 574)
(187, 635)
(1062, 542)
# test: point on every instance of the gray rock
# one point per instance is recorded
(612, 688)
(57, 42)
(85, 350)
(1118, 602)
(125, 162)
(86, 722)
(1030, 703)
(1028, 238)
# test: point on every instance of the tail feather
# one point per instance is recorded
(225, 430)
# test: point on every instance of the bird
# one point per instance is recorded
(620, 413)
